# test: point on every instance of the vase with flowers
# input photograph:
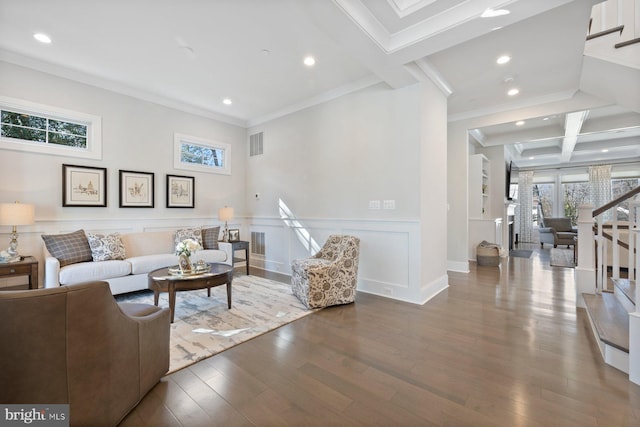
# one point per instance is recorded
(184, 249)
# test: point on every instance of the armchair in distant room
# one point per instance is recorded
(556, 231)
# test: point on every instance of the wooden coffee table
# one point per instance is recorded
(161, 281)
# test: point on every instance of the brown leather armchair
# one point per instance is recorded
(75, 345)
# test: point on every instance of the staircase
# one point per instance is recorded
(609, 317)
(610, 302)
(614, 32)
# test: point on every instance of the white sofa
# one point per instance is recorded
(145, 252)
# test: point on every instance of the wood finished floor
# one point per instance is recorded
(500, 347)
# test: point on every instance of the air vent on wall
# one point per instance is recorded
(257, 243)
(255, 144)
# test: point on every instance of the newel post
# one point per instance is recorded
(634, 317)
(585, 271)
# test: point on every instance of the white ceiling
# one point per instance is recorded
(191, 54)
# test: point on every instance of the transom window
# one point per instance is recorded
(38, 128)
(198, 154)
(28, 127)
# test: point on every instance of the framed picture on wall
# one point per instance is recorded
(136, 189)
(84, 186)
(180, 191)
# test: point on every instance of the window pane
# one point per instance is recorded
(25, 120)
(575, 194)
(542, 197)
(618, 188)
(68, 140)
(196, 154)
(66, 127)
(26, 134)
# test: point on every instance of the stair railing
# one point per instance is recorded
(591, 270)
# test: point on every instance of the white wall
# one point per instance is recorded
(433, 190)
(458, 148)
(321, 167)
(136, 135)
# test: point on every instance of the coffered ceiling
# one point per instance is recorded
(193, 54)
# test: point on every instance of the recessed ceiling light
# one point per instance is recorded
(605, 151)
(503, 59)
(492, 13)
(513, 92)
(42, 38)
(531, 158)
(309, 61)
(520, 122)
(545, 119)
(227, 101)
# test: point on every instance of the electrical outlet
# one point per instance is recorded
(374, 204)
(389, 204)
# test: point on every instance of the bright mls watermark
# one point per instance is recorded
(34, 415)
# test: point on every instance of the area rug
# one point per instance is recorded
(562, 258)
(520, 253)
(205, 326)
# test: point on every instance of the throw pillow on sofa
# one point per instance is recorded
(68, 248)
(210, 237)
(188, 233)
(105, 247)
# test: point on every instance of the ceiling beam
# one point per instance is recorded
(572, 125)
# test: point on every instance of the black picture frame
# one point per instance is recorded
(84, 186)
(180, 191)
(137, 189)
(234, 234)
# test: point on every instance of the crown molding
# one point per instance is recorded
(422, 70)
(436, 24)
(319, 99)
(531, 102)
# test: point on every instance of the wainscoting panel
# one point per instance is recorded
(386, 268)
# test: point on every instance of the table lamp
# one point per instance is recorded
(14, 214)
(225, 214)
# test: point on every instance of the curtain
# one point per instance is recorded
(600, 186)
(525, 195)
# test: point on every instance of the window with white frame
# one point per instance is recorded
(202, 155)
(620, 187)
(31, 127)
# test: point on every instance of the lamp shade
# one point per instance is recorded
(16, 214)
(225, 214)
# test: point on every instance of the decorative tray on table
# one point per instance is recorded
(195, 270)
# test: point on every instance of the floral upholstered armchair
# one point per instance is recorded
(330, 276)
